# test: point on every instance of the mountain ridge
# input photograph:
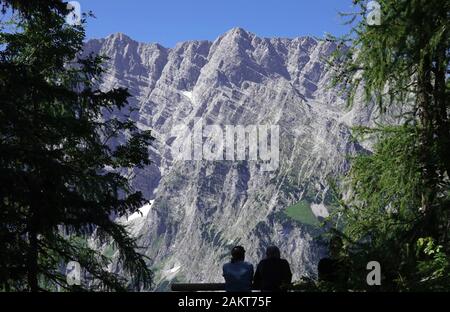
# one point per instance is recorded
(200, 209)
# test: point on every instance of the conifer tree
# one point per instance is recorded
(399, 210)
(60, 176)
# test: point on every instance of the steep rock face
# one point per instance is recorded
(200, 209)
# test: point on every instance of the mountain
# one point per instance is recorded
(200, 209)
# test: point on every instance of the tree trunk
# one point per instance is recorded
(33, 258)
(427, 115)
(32, 263)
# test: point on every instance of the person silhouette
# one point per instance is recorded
(272, 273)
(334, 269)
(238, 273)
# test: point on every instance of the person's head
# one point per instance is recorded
(237, 254)
(336, 245)
(272, 252)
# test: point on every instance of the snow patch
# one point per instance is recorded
(319, 210)
(174, 269)
(347, 118)
(170, 273)
(189, 95)
(141, 213)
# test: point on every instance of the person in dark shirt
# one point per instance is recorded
(272, 273)
(334, 269)
(238, 273)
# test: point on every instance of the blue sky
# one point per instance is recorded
(171, 21)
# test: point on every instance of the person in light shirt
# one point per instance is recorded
(238, 273)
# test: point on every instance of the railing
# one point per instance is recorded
(198, 287)
(191, 287)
